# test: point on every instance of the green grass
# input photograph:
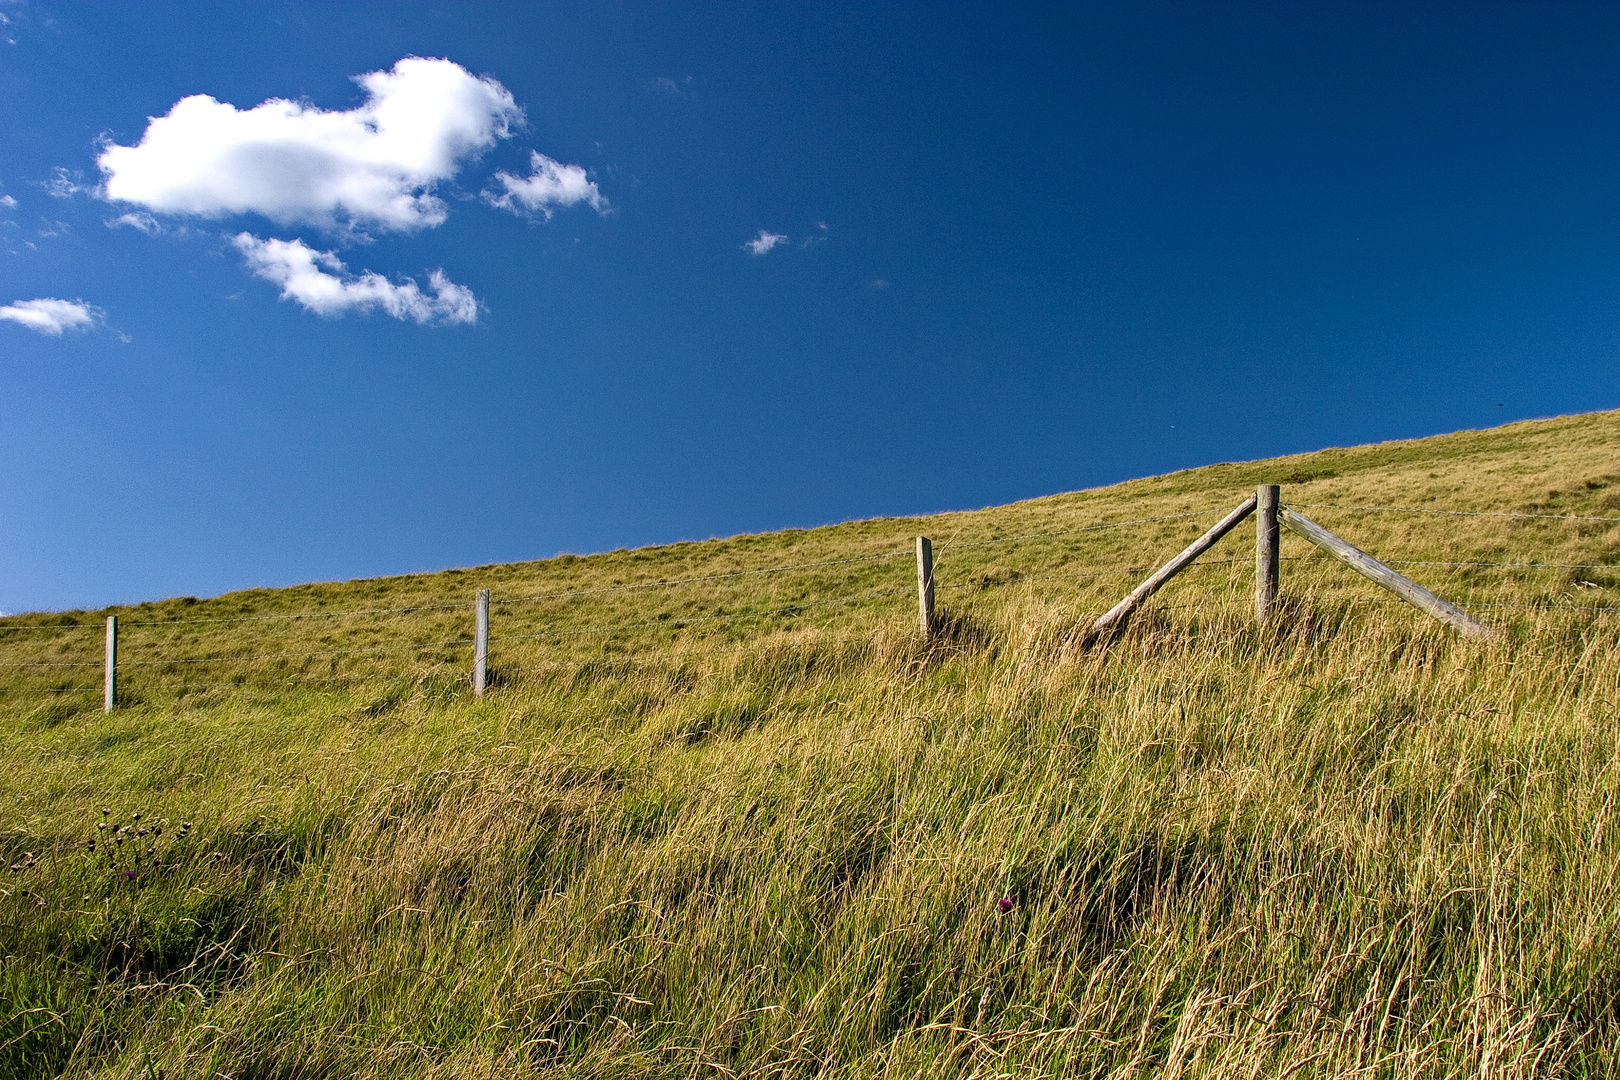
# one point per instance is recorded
(775, 845)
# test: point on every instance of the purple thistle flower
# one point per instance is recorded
(1004, 905)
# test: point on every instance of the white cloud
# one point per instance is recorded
(52, 317)
(64, 184)
(139, 219)
(549, 183)
(320, 282)
(375, 165)
(762, 243)
(8, 202)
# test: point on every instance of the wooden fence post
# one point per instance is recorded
(109, 685)
(481, 642)
(1267, 537)
(1369, 567)
(1116, 615)
(925, 585)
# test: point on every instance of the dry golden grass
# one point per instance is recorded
(1349, 844)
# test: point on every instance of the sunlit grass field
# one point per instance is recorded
(756, 825)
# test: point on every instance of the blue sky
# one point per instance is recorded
(529, 299)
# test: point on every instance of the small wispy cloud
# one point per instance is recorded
(8, 202)
(764, 242)
(816, 237)
(673, 87)
(138, 219)
(65, 183)
(319, 282)
(52, 317)
(549, 184)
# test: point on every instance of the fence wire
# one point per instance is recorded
(295, 615)
(675, 622)
(67, 626)
(953, 545)
(975, 581)
(1436, 562)
(1451, 513)
(297, 655)
(670, 582)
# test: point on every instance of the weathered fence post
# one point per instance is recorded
(925, 585)
(1369, 567)
(481, 642)
(1267, 537)
(1115, 617)
(109, 685)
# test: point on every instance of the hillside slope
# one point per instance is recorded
(727, 813)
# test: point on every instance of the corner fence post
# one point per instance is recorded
(109, 686)
(1267, 537)
(481, 642)
(925, 585)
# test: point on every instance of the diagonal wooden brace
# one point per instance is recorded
(1369, 567)
(1116, 616)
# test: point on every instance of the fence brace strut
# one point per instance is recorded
(1369, 567)
(1116, 616)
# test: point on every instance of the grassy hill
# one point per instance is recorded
(754, 824)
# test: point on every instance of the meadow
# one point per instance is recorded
(757, 825)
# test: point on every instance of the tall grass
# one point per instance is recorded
(816, 844)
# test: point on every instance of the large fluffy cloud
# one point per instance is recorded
(321, 283)
(373, 166)
(549, 183)
(51, 317)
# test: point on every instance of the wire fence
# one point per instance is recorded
(360, 644)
